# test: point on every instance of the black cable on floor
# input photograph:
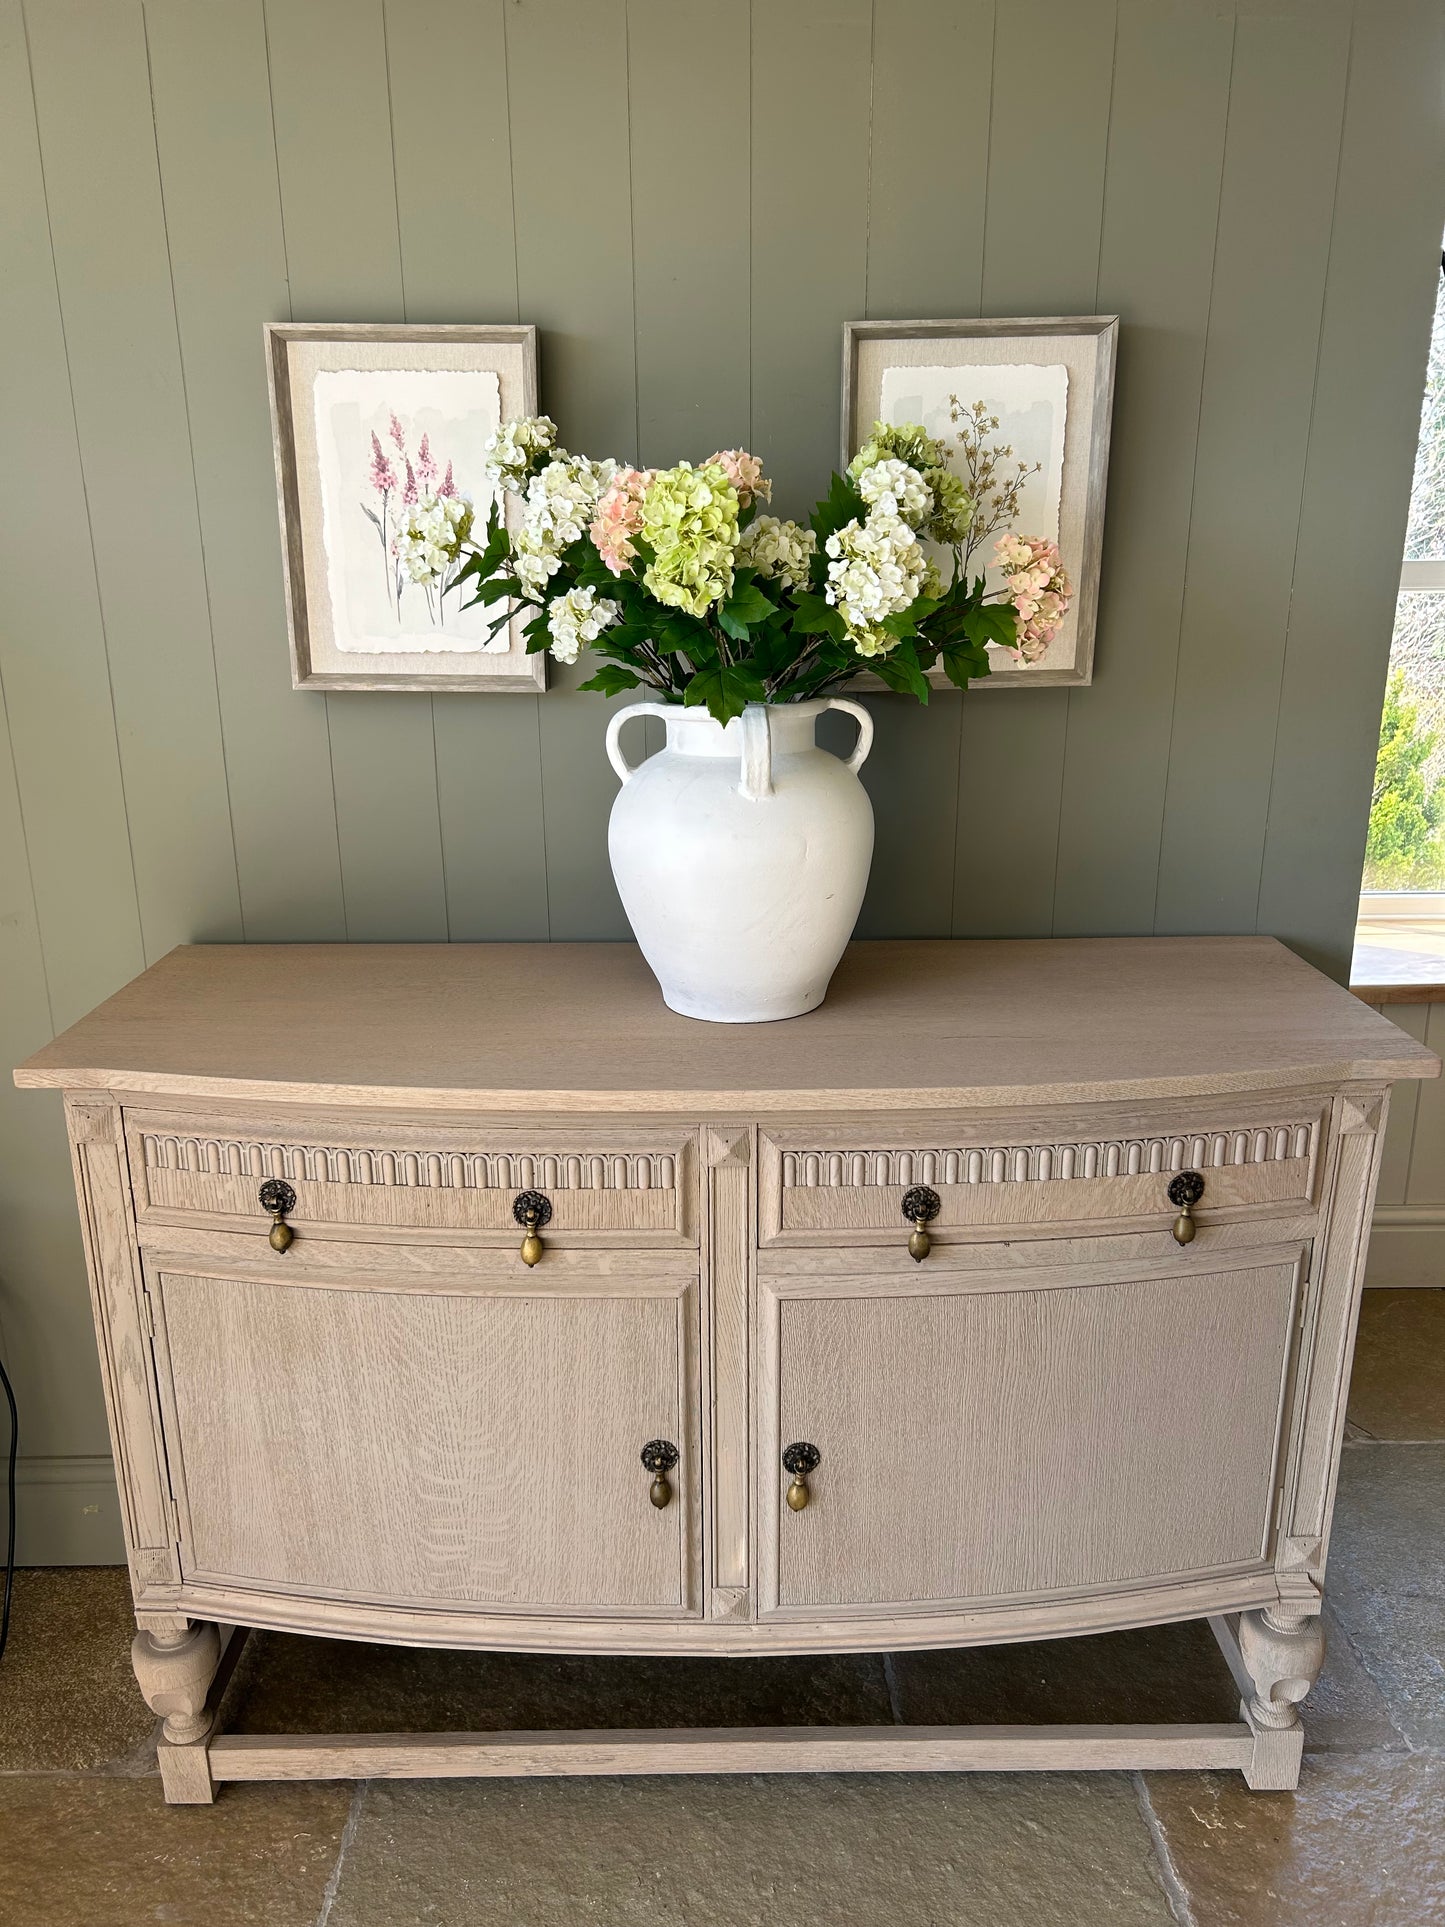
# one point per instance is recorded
(10, 1490)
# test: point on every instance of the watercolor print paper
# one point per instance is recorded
(386, 439)
(1031, 406)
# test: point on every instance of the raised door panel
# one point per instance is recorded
(982, 1441)
(476, 1446)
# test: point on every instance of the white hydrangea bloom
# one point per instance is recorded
(893, 488)
(780, 551)
(512, 452)
(427, 543)
(557, 511)
(577, 617)
(876, 570)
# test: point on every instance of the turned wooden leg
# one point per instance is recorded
(1282, 1653)
(174, 1671)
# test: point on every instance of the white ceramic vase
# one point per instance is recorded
(741, 854)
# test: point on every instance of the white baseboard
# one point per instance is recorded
(67, 1513)
(1407, 1246)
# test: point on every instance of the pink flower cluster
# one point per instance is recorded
(1037, 584)
(619, 516)
(745, 472)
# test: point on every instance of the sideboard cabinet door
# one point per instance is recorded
(979, 1441)
(476, 1446)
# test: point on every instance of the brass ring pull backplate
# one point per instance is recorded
(799, 1460)
(659, 1456)
(920, 1206)
(277, 1197)
(532, 1211)
(1185, 1191)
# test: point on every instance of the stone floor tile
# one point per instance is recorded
(1151, 1673)
(1361, 1844)
(1397, 1390)
(68, 1698)
(1386, 1578)
(1346, 1712)
(783, 1851)
(285, 1683)
(106, 1852)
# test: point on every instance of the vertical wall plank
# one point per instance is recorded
(52, 642)
(1366, 409)
(459, 263)
(1161, 207)
(92, 89)
(1281, 152)
(568, 65)
(810, 67)
(45, 1327)
(228, 266)
(338, 202)
(1041, 256)
(688, 70)
(928, 159)
(927, 191)
(452, 145)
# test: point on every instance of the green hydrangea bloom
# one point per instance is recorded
(953, 509)
(690, 522)
(903, 441)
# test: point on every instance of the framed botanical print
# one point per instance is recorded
(1022, 409)
(380, 436)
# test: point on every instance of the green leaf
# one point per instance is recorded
(842, 504)
(815, 617)
(611, 679)
(992, 622)
(744, 609)
(899, 670)
(726, 689)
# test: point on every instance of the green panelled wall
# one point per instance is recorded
(689, 197)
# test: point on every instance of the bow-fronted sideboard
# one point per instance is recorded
(466, 1296)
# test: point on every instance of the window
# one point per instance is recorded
(1405, 854)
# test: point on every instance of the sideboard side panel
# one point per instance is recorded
(123, 1335)
(1358, 1134)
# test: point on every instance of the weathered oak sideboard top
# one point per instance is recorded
(582, 1028)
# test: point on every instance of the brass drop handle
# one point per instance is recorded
(1185, 1191)
(531, 1210)
(920, 1206)
(799, 1460)
(659, 1456)
(277, 1197)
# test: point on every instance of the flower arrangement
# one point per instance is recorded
(677, 581)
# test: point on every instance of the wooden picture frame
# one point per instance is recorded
(355, 410)
(1068, 401)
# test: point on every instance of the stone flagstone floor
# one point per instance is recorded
(85, 1840)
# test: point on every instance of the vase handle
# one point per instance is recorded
(614, 731)
(865, 729)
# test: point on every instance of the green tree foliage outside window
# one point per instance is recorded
(1404, 850)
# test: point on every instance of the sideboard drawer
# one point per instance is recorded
(841, 1185)
(996, 1435)
(625, 1186)
(460, 1439)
